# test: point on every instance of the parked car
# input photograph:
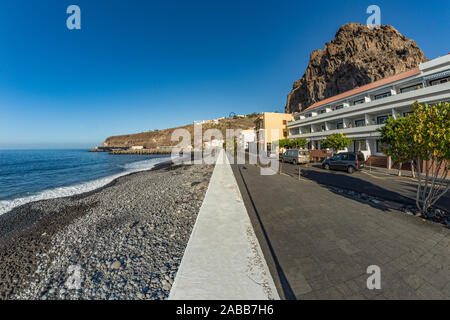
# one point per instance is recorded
(295, 156)
(347, 161)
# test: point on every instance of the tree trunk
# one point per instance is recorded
(412, 169)
(400, 169)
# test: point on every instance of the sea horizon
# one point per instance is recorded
(36, 174)
(47, 146)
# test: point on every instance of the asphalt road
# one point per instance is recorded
(393, 188)
(318, 243)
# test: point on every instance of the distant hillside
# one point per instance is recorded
(153, 139)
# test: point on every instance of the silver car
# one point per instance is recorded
(295, 156)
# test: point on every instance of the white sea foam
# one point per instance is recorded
(7, 205)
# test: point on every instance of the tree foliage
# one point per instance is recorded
(299, 142)
(394, 135)
(284, 143)
(337, 141)
(423, 138)
(294, 143)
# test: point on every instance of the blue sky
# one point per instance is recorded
(141, 65)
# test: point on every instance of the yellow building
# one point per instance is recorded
(267, 122)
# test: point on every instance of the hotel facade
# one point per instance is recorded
(268, 123)
(361, 111)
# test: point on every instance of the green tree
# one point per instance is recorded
(284, 143)
(423, 137)
(337, 141)
(299, 142)
(395, 135)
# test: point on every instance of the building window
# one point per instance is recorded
(382, 95)
(323, 127)
(360, 123)
(411, 88)
(339, 107)
(358, 101)
(360, 145)
(439, 81)
(323, 111)
(380, 146)
(340, 125)
(284, 122)
(382, 119)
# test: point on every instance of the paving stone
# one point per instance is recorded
(413, 280)
(428, 292)
(329, 294)
(332, 239)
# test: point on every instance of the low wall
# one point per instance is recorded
(318, 155)
(142, 151)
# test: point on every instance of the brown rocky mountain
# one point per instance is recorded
(153, 139)
(355, 57)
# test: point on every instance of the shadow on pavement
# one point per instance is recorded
(352, 182)
(285, 286)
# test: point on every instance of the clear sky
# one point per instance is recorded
(139, 65)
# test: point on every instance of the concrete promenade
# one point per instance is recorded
(223, 259)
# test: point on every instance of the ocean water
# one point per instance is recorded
(31, 175)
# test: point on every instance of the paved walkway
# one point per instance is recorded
(223, 259)
(393, 188)
(318, 244)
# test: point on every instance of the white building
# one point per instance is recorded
(361, 111)
(214, 143)
(247, 136)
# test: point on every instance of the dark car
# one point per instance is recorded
(347, 161)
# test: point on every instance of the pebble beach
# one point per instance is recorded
(122, 241)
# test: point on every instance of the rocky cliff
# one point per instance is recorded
(355, 57)
(153, 139)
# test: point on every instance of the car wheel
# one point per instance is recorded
(326, 166)
(350, 169)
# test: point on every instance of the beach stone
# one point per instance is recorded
(95, 234)
(116, 265)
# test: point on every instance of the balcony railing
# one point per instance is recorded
(398, 94)
(345, 130)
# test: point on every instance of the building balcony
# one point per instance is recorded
(400, 100)
(370, 130)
